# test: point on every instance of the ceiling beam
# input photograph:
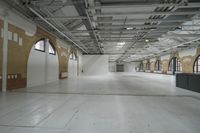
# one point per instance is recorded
(145, 13)
(147, 26)
(55, 28)
(126, 40)
(54, 4)
(92, 28)
(104, 21)
(81, 9)
(143, 5)
(124, 31)
(62, 18)
(181, 35)
(130, 5)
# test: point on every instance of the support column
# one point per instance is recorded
(46, 58)
(5, 53)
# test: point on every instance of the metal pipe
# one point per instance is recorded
(63, 18)
(141, 5)
(36, 13)
(130, 5)
(93, 30)
(141, 20)
(116, 30)
(146, 13)
(182, 35)
(147, 26)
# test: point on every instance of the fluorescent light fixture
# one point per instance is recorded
(129, 28)
(121, 43)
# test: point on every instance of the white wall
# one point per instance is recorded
(52, 68)
(112, 66)
(38, 72)
(95, 64)
(36, 68)
(72, 68)
(130, 67)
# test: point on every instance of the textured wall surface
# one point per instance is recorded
(19, 47)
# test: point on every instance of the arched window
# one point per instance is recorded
(141, 66)
(52, 49)
(148, 65)
(175, 65)
(178, 65)
(158, 65)
(171, 65)
(196, 67)
(40, 45)
(73, 56)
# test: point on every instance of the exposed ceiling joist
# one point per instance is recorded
(146, 13)
(146, 5)
(141, 20)
(63, 18)
(146, 26)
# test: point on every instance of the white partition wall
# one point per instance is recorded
(52, 68)
(112, 66)
(72, 66)
(36, 68)
(42, 67)
(95, 64)
(130, 67)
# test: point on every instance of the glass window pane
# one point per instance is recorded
(51, 50)
(40, 45)
(198, 68)
(197, 65)
(195, 69)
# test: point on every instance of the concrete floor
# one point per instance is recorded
(116, 103)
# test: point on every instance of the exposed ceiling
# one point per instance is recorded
(126, 30)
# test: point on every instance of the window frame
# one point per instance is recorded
(158, 65)
(40, 49)
(196, 65)
(141, 67)
(53, 47)
(178, 65)
(171, 65)
(148, 66)
(73, 56)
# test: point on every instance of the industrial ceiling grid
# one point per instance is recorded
(128, 30)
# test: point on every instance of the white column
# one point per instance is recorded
(46, 58)
(5, 53)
